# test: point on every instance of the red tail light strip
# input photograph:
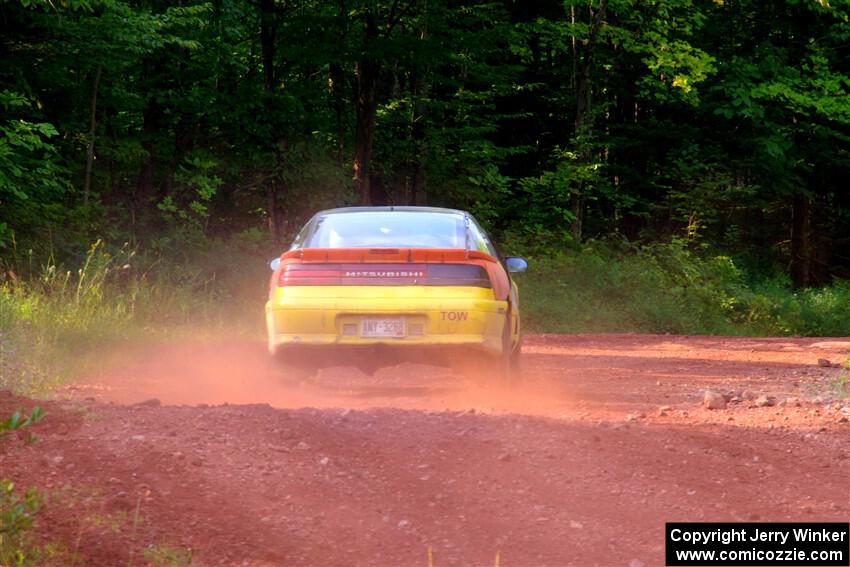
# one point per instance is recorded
(383, 274)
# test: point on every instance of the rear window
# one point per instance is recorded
(387, 230)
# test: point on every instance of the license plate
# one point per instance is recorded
(382, 328)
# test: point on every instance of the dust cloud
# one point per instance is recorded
(240, 371)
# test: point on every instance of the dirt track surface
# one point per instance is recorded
(582, 465)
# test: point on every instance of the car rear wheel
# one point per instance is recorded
(293, 369)
(516, 377)
(503, 370)
(508, 368)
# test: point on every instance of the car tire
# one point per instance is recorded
(292, 369)
(501, 371)
(515, 376)
(505, 370)
(368, 369)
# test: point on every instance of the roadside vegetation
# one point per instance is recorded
(57, 320)
(668, 288)
(165, 556)
(841, 384)
(18, 510)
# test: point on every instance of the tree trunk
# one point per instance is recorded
(277, 222)
(418, 185)
(420, 88)
(583, 114)
(275, 187)
(337, 83)
(268, 31)
(368, 69)
(577, 208)
(92, 127)
(801, 245)
(337, 79)
(151, 121)
(185, 134)
(144, 182)
(574, 73)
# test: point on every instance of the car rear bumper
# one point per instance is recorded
(455, 318)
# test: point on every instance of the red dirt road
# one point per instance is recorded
(580, 466)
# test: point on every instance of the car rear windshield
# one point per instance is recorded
(394, 229)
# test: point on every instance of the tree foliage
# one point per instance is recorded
(724, 123)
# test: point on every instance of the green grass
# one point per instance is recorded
(16, 518)
(17, 511)
(166, 556)
(54, 323)
(669, 289)
(840, 385)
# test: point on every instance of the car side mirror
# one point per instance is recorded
(274, 264)
(516, 265)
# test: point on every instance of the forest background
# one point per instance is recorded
(666, 165)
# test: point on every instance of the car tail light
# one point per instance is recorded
(309, 274)
(383, 274)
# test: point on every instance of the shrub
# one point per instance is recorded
(16, 512)
(667, 288)
(16, 518)
(48, 320)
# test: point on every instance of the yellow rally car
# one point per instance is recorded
(375, 286)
